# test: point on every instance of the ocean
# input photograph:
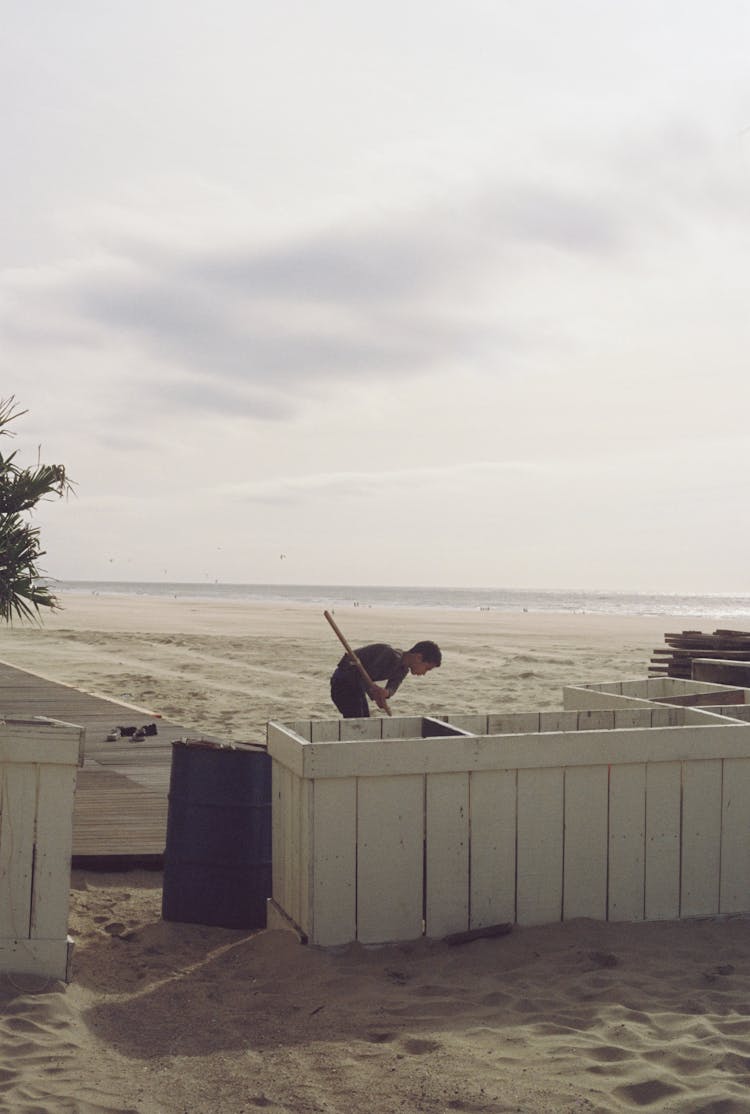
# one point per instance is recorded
(466, 599)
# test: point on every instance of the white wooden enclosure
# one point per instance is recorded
(659, 690)
(38, 762)
(388, 829)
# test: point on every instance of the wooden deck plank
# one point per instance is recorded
(121, 791)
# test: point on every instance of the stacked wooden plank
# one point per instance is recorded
(676, 658)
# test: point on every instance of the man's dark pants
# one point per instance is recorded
(348, 695)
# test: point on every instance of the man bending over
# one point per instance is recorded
(382, 662)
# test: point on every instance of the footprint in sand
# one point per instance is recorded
(418, 1047)
(399, 977)
(647, 1092)
(609, 1053)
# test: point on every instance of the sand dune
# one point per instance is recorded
(164, 1017)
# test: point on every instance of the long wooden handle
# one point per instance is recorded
(353, 657)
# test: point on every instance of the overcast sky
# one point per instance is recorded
(443, 292)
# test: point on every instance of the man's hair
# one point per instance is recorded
(430, 652)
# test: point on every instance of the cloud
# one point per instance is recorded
(258, 329)
(287, 321)
(358, 485)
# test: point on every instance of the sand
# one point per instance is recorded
(187, 1019)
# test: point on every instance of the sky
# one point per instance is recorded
(416, 292)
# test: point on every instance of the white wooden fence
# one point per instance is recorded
(38, 761)
(388, 829)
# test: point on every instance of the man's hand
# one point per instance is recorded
(380, 696)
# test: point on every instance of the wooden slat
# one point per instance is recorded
(627, 821)
(540, 853)
(735, 837)
(334, 912)
(663, 802)
(585, 868)
(493, 847)
(701, 832)
(447, 854)
(17, 816)
(389, 858)
(293, 832)
(51, 882)
(280, 777)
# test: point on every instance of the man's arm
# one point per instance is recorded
(379, 696)
(382, 661)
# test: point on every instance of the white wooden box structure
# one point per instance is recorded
(660, 690)
(38, 764)
(388, 829)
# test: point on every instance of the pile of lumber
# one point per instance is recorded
(677, 659)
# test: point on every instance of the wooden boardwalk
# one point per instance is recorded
(120, 815)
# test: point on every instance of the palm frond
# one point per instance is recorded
(24, 592)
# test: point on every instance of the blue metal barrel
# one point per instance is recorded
(217, 861)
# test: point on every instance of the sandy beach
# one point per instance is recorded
(230, 667)
(187, 1019)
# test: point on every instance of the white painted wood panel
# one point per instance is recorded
(564, 749)
(627, 834)
(279, 807)
(306, 862)
(434, 728)
(492, 800)
(16, 849)
(733, 711)
(401, 727)
(286, 747)
(701, 833)
(371, 728)
(36, 821)
(46, 958)
(582, 748)
(540, 846)
(512, 723)
(325, 730)
(642, 688)
(735, 837)
(292, 867)
(633, 717)
(446, 853)
(469, 721)
(292, 854)
(663, 807)
(302, 727)
(43, 741)
(585, 843)
(52, 853)
(558, 721)
(390, 844)
(334, 872)
(596, 719)
(591, 698)
(667, 715)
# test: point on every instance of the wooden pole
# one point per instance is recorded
(354, 659)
